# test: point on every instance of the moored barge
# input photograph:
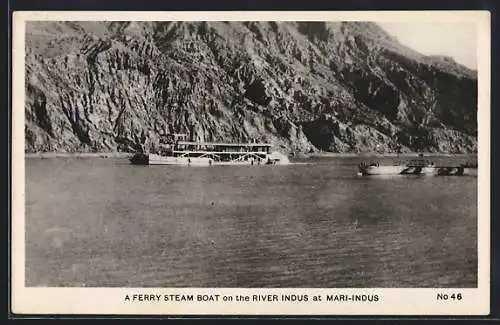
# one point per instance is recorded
(417, 167)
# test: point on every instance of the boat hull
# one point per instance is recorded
(408, 170)
(153, 159)
(183, 161)
(382, 170)
(456, 171)
(397, 170)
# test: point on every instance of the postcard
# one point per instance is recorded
(251, 163)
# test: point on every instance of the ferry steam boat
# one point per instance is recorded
(177, 151)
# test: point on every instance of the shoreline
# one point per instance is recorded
(389, 154)
(104, 155)
(78, 155)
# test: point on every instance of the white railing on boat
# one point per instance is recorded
(184, 152)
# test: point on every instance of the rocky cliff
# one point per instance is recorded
(307, 86)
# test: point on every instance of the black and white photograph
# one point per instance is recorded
(251, 153)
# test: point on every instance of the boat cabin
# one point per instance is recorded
(177, 145)
(223, 152)
(419, 163)
(223, 147)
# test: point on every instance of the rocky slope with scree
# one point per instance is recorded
(302, 86)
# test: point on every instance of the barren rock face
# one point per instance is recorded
(341, 87)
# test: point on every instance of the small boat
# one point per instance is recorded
(466, 169)
(411, 167)
(419, 166)
(178, 151)
(450, 171)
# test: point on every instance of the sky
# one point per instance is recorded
(458, 40)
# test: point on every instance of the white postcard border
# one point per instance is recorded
(397, 301)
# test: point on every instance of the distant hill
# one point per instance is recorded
(303, 86)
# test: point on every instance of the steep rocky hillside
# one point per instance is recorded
(308, 86)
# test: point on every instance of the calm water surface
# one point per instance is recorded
(103, 222)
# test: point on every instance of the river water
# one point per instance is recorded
(105, 223)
